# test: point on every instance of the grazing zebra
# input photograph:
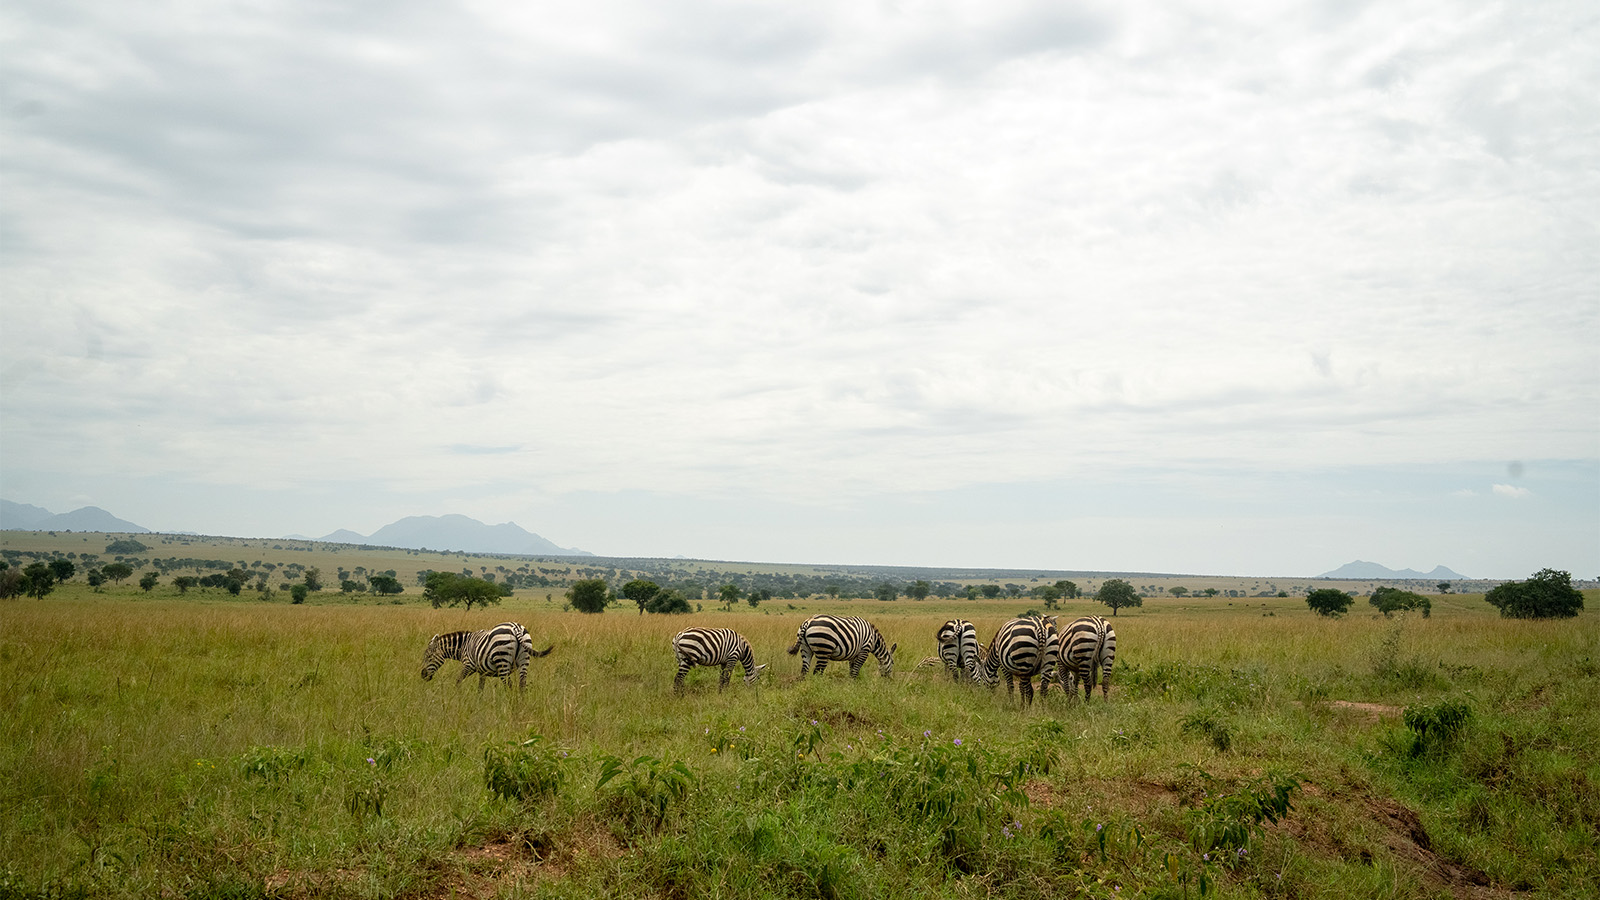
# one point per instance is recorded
(1088, 648)
(826, 638)
(713, 647)
(493, 652)
(1021, 649)
(958, 646)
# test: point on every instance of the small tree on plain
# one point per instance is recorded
(640, 591)
(1068, 589)
(63, 569)
(1329, 602)
(148, 581)
(919, 590)
(1117, 593)
(589, 595)
(1549, 594)
(729, 594)
(1390, 600)
(117, 571)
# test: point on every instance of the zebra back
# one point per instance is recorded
(1088, 649)
(958, 646)
(1017, 652)
(824, 638)
(721, 647)
(491, 653)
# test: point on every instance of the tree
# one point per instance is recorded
(63, 569)
(1444, 587)
(125, 546)
(919, 590)
(149, 581)
(1049, 594)
(297, 593)
(313, 579)
(832, 591)
(347, 586)
(1178, 591)
(1329, 602)
(668, 601)
(589, 595)
(758, 597)
(385, 584)
(1549, 594)
(641, 591)
(184, 582)
(450, 589)
(41, 580)
(1068, 589)
(1211, 592)
(117, 571)
(1117, 593)
(729, 594)
(990, 591)
(95, 577)
(12, 583)
(885, 592)
(1390, 600)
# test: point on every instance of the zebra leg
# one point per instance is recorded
(822, 663)
(855, 666)
(727, 674)
(465, 671)
(1025, 689)
(677, 683)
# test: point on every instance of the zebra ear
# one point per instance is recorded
(894, 647)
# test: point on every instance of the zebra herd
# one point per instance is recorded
(1022, 649)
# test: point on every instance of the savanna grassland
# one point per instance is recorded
(206, 745)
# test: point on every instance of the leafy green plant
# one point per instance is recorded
(366, 796)
(643, 792)
(524, 770)
(1436, 727)
(272, 763)
(1227, 821)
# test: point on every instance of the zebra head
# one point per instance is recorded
(750, 675)
(885, 658)
(432, 658)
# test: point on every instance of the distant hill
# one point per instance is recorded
(1371, 571)
(456, 532)
(25, 517)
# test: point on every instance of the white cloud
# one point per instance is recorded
(881, 249)
(1511, 491)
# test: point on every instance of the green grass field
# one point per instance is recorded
(210, 746)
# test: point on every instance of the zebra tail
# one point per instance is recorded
(794, 648)
(545, 651)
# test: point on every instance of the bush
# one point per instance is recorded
(525, 771)
(589, 595)
(1549, 594)
(1328, 602)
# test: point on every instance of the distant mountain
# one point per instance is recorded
(24, 517)
(1371, 571)
(456, 532)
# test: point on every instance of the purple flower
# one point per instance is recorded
(1100, 827)
(958, 742)
(927, 734)
(371, 761)
(1206, 857)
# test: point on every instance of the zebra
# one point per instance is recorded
(493, 652)
(722, 647)
(826, 638)
(1021, 649)
(1087, 649)
(958, 646)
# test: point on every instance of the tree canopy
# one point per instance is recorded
(1117, 593)
(1390, 600)
(450, 589)
(1549, 594)
(589, 595)
(641, 591)
(1330, 602)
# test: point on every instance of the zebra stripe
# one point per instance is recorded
(852, 638)
(1088, 649)
(958, 646)
(492, 653)
(1021, 649)
(722, 647)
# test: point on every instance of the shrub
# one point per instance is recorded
(1328, 602)
(1549, 594)
(1437, 727)
(528, 770)
(589, 595)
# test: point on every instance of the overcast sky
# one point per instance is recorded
(1234, 288)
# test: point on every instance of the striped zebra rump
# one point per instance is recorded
(957, 640)
(1019, 653)
(723, 648)
(821, 639)
(1088, 650)
(491, 653)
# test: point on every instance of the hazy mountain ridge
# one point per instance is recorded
(1361, 569)
(450, 532)
(25, 517)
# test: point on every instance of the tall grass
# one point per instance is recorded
(196, 748)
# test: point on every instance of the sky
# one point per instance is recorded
(1206, 288)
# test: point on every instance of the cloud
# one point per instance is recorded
(1511, 492)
